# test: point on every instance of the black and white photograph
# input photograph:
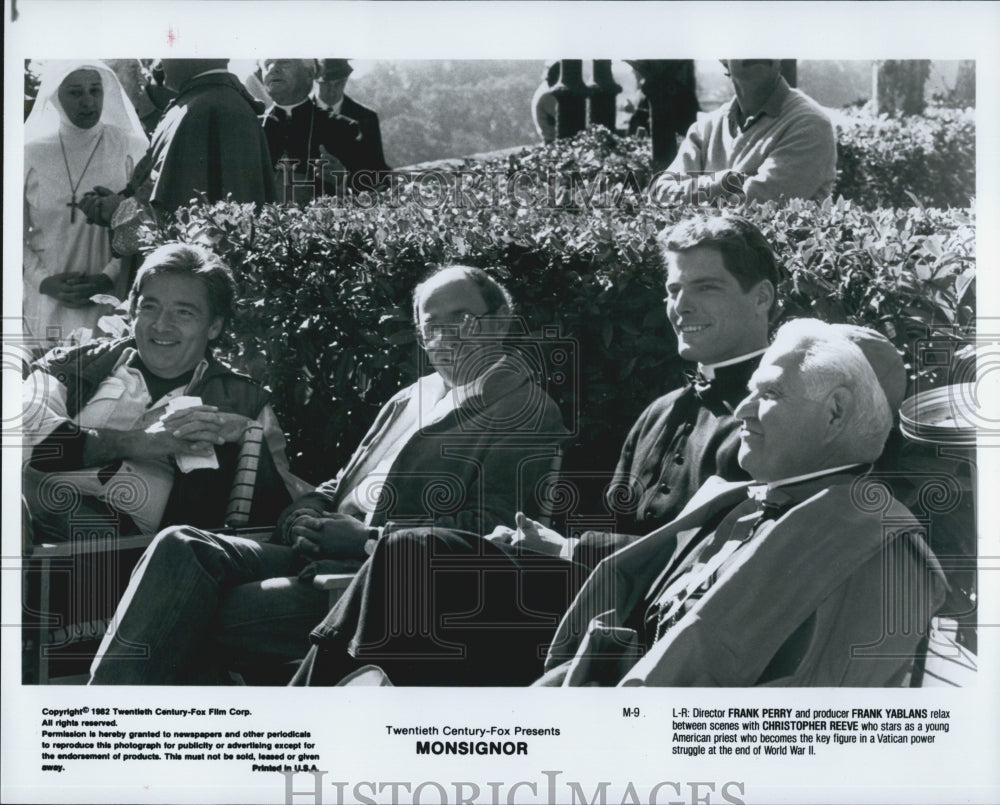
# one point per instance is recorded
(352, 404)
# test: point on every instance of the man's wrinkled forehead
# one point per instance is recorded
(778, 368)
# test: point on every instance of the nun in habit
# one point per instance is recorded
(82, 132)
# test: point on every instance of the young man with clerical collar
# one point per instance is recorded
(721, 284)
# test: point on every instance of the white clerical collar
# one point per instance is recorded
(757, 490)
(708, 369)
(288, 109)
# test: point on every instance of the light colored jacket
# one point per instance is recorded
(853, 562)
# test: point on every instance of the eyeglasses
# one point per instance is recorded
(461, 327)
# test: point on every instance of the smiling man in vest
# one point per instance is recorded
(106, 421)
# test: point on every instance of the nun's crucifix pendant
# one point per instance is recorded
(74, 187)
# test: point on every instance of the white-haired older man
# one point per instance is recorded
(817, 578)
(298, 129)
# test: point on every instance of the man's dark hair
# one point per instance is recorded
(746, 254)
(493, 293)
(196, 261)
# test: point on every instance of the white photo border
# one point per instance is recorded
(596, 743)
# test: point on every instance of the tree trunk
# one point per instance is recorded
(899, 86)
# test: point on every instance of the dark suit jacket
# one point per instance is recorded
(679, 442)
(354, 139)
(371, 135)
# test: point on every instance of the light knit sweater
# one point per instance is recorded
(787, 150)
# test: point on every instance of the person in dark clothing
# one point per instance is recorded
(331, 81)
(208, 142)
(721, 297)
(300, 131)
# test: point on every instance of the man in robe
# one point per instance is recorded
(306, 136)
(208, 143)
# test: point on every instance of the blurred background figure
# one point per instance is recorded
(302, 126)
(157, 86)
(254, 83)
(769, 142)
(82, 131)
(136, 83)
(331, 82)
(543, 104)
(209, 140)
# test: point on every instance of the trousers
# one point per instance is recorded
(437, 606)
(197, 600)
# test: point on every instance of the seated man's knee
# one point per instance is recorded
(407, 548)
(414, 542)
(407, 539)
(177, 544)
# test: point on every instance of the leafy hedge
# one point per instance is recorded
(326, 324)
(897, 162)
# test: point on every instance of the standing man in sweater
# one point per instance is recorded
(768, 142)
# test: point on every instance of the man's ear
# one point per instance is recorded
(839, 403)
(215, 328)
(766, 294)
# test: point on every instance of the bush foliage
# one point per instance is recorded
(325, 320)
(898, 162)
